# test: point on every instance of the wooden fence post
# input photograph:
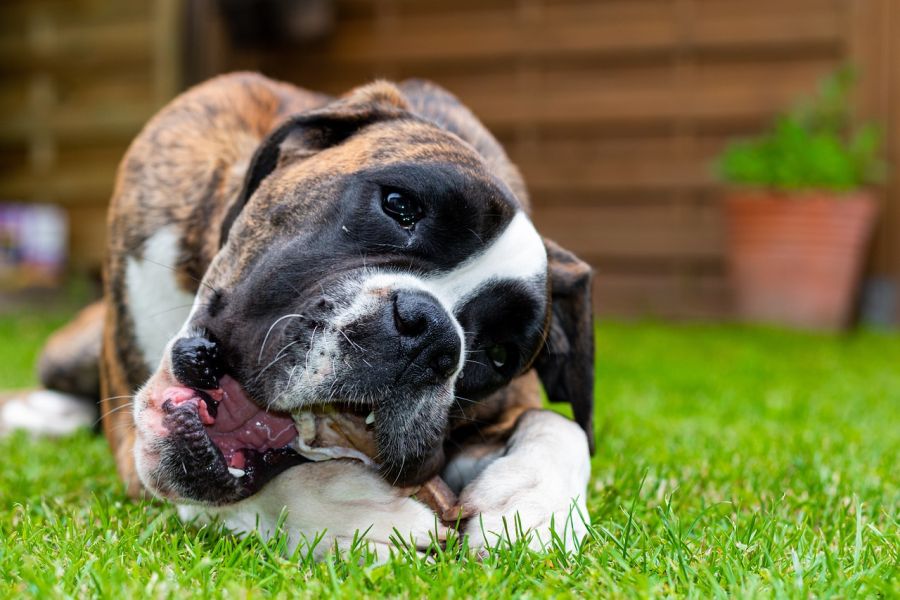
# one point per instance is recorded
(872, 48)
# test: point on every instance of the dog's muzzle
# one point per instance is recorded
(216, 443)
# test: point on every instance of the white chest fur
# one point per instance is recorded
(158, 306)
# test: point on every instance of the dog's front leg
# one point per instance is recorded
(538, 482)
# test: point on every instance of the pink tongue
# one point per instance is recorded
(241, 424)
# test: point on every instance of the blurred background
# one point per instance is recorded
(615, 110)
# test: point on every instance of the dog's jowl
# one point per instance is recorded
(276, 252)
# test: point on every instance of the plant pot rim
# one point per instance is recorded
(750, 193)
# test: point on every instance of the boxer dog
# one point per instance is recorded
(272, 248)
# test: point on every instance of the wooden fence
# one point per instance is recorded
(78, 79)
(613, 109)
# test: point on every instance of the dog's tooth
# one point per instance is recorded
(237, 472)
(371, 418)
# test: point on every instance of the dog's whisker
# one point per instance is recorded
(465, 399)
(183, 306)
(351, 342)
(115, 409)
(278, 357)
(284, 349)
(174, 270)
(112, 411)
(312, 340)
(117, 397)
(287, 386)
(475, 233)
(400, 470)
(269, 332)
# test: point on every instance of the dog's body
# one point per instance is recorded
(262, 225)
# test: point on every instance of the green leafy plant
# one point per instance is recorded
(814, 146)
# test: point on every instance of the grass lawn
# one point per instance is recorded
(730, 461)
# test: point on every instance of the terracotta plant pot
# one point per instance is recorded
(796, 260)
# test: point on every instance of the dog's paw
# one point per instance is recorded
(46, 413)
(510, 508)
(532, 493)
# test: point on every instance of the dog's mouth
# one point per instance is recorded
(243, 432)
(224, 447)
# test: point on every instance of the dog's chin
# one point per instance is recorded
(217, 447)
(414, 470)
(409, 433)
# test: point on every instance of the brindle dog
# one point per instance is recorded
(272, 248)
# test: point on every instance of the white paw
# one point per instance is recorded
(47, 413)
(536, 492)
(543, 527)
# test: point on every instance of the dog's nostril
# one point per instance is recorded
(410, 314)
(444, 365)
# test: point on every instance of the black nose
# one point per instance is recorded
(197, 363)
(427, 335)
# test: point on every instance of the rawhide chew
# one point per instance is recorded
(325, 433)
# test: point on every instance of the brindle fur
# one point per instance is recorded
(186, 170)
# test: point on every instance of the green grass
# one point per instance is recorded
(731, 462)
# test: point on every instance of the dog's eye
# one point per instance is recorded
(498, 355)
(403, 208)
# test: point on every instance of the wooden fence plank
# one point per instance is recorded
(77, 46)
(615, 28)
(87, 235)
(68, 187)
(616, 165)
(85, 124)
(726, 92)
(646, 231)
(662, 295)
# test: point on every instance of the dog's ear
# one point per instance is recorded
(315, 130)
(565, 363)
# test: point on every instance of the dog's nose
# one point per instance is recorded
(197, 363)
(426, 332)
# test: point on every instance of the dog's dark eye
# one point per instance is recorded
(498, 355)
(403, 208)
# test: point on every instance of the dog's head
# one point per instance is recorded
(373, 260)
